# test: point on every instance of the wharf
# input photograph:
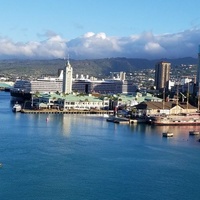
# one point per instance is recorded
(122, 120)
(130, 121)
(55, 111)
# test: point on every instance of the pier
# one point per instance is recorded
(55, 111)
(122, 120)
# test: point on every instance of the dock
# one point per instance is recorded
(55, 111)
(122, 120)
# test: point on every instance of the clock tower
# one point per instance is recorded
(67, 78)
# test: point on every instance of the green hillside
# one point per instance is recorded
(96, 67)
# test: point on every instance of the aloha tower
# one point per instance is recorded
(67, 78)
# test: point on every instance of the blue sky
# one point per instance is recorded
(99, 28)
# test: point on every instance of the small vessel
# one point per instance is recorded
(105, 115)
(194, 132)
(118, 120)
(17, 107)
(168, 134)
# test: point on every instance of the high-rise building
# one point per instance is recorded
(198, 70)
(67, 78)
(162, 75)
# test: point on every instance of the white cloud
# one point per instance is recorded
(146, 45)
(153, 47)
(93, 45)
(89, 34)
(99, 45)
(54, 47)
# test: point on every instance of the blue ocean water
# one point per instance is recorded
(75, 157)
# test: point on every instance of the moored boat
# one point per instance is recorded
(194, 132)
(17, 107)
(117, 119)
(168, 134)
(180, 119)
(106, 115)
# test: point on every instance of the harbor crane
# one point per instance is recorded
(183, 96)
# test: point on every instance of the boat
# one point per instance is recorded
(194, 132)
(179, 119)
(106, 115)
(168, 134)
(17, 107)
(118, 120)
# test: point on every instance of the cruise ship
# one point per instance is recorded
(25, 88)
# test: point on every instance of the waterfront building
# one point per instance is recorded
(72, 101)
(162, 75)
(88, 102)
(130, 100)
(164, 108)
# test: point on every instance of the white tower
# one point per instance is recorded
(67, 78)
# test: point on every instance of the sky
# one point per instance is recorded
(94, 29)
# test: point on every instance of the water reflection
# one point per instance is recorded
(180, 134)
(179, 131)
(57, 123)
(144, 128)
(66, 122)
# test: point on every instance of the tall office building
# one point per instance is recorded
(67, 78)
(198, 70)
(162, 75)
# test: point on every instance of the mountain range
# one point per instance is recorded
(95, 67)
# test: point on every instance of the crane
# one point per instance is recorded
(183, 96)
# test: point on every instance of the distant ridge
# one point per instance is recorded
(92, 67)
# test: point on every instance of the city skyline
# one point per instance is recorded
(99, 29)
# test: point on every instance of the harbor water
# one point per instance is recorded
(84, 157)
